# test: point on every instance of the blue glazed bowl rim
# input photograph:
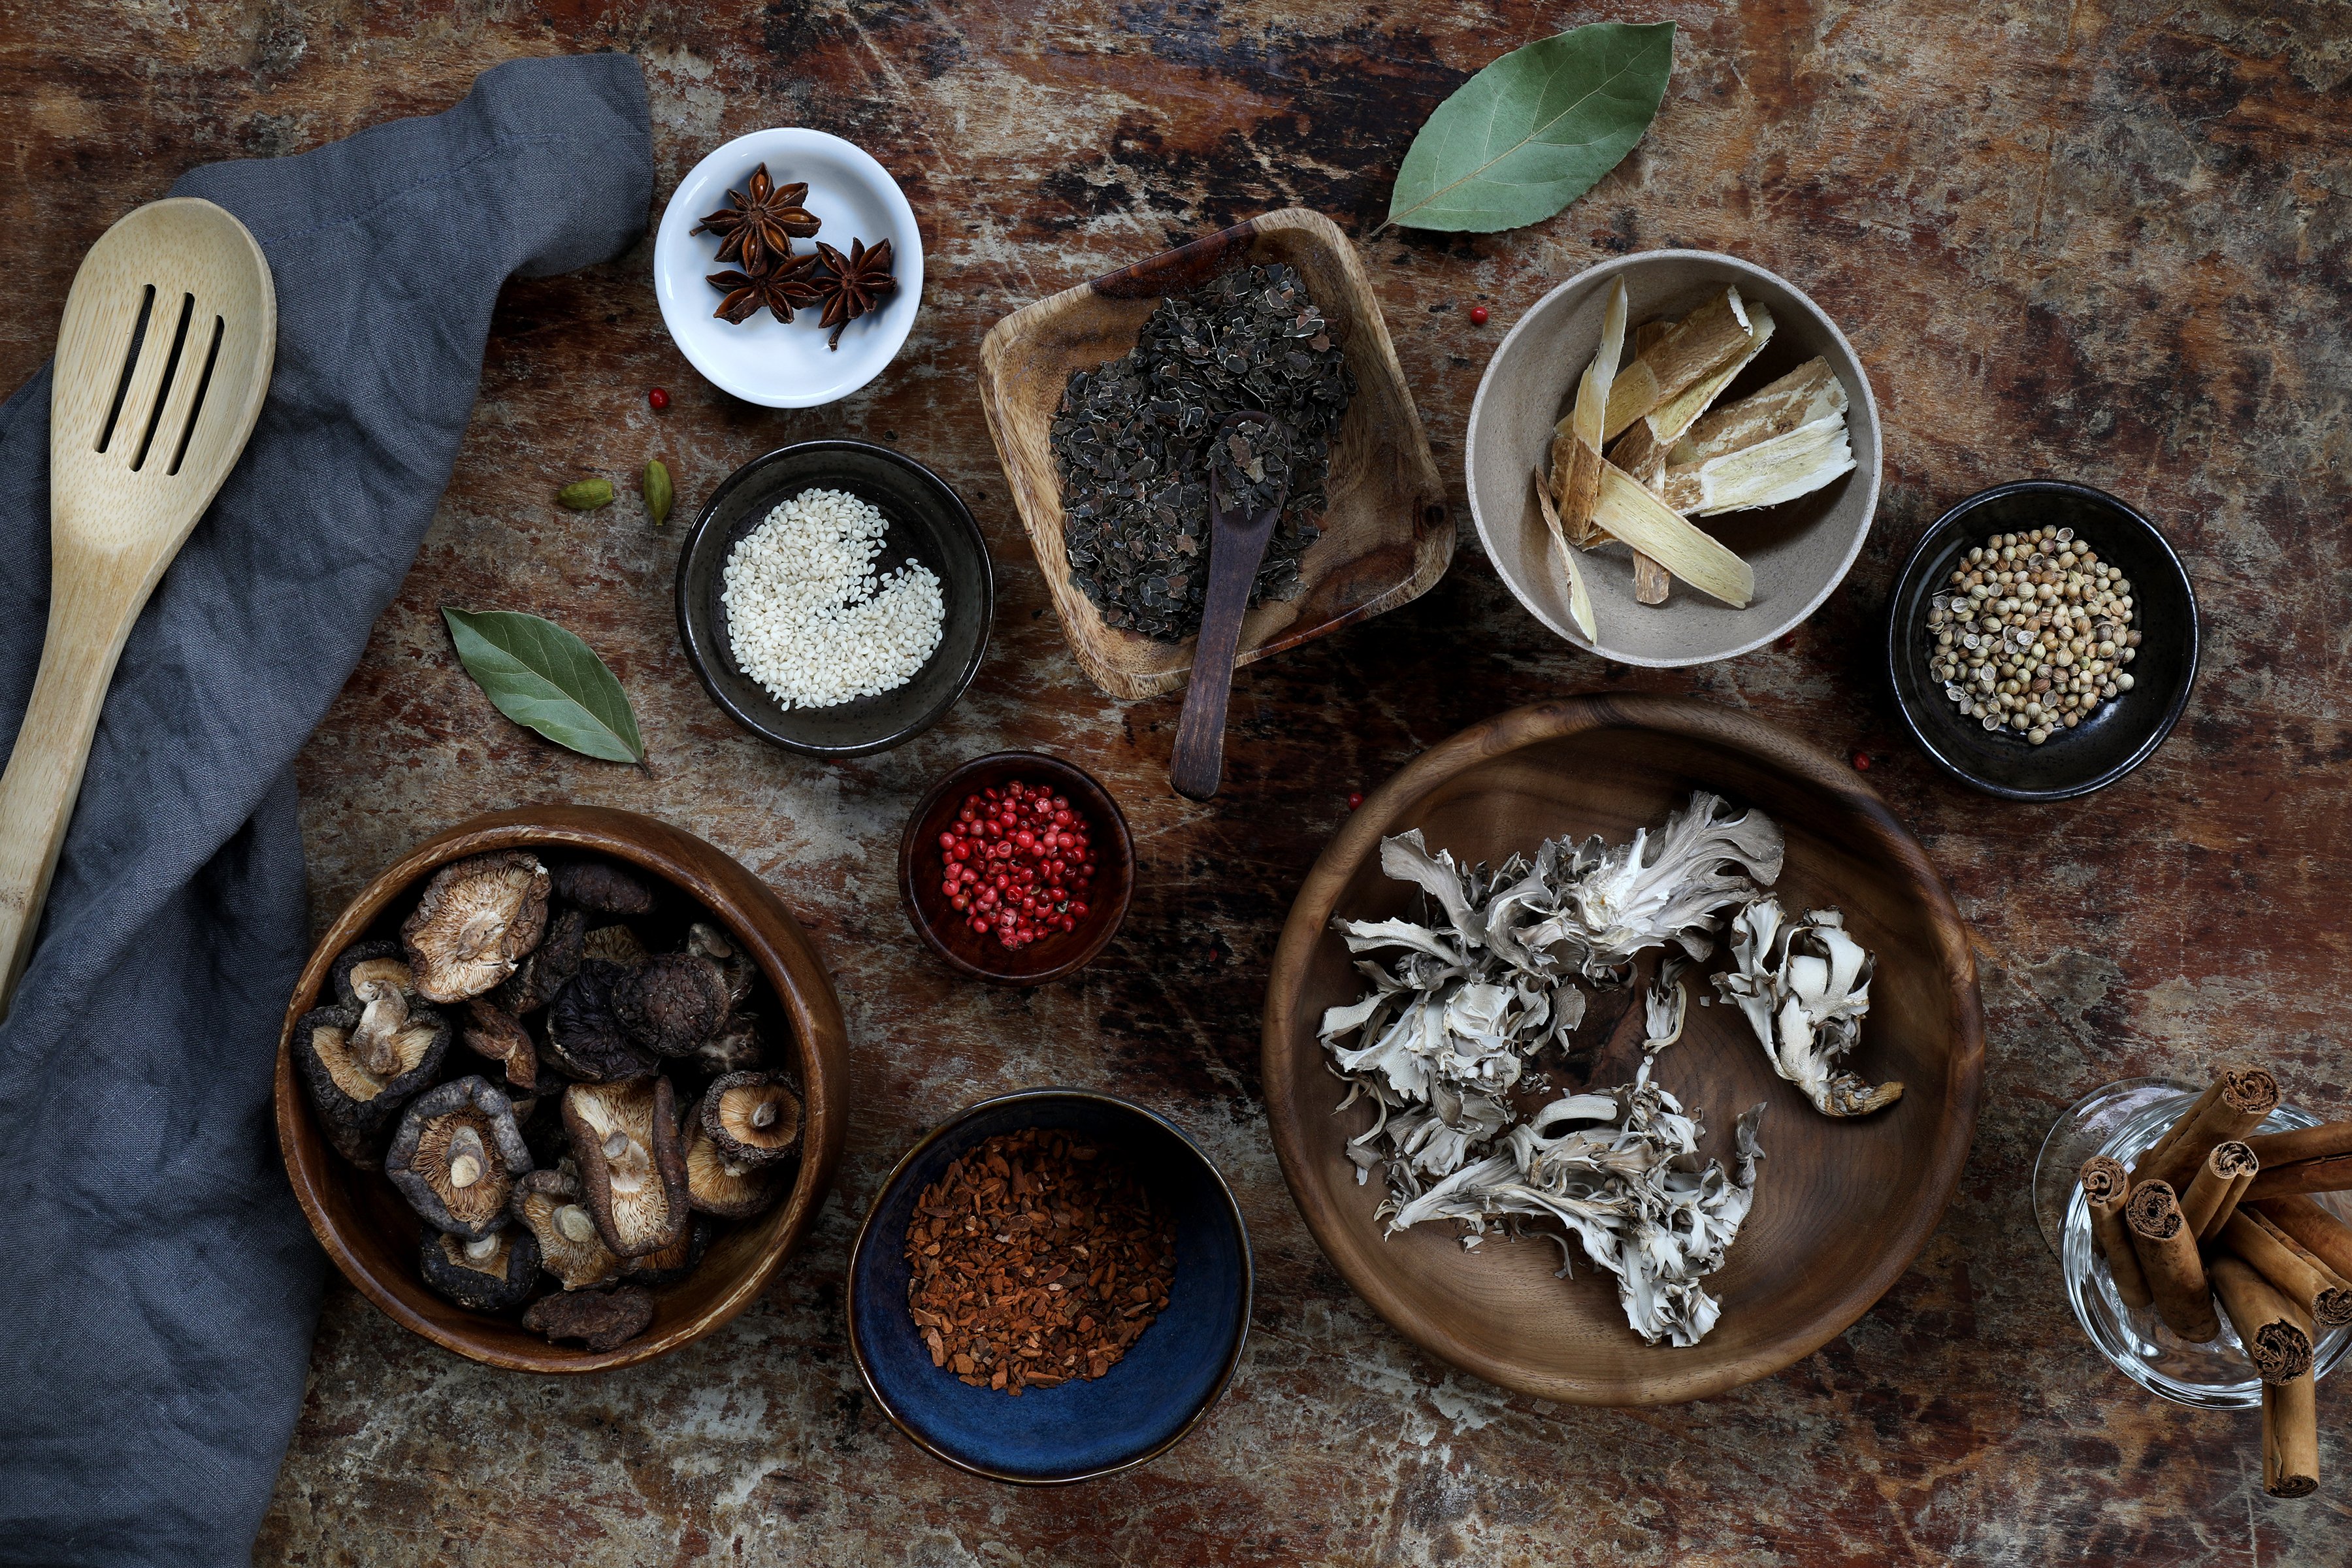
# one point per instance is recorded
(945, 1129)
(1932, 540)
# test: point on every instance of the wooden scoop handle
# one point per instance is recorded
(1236, 546)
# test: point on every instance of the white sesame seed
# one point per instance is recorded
(808, 618)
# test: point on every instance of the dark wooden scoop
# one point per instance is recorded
(1237, 543)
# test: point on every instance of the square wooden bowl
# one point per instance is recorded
(1386, 537)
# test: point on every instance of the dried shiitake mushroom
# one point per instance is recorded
(374, 981)
(601, 885)
(632, 1171)
(583, 1033)
(476, 920)
(753, 1117)
(549, 1204)
(491, 1031)
(616, 945)
(716, 1184)
(674, 1262)
(356, 1104)
(601, 1320)
(736, 1048)
(458, 1155)
(707, 940)
(673, 1002)
(546, 967)
(490, 1273)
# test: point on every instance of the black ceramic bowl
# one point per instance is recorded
(1087, 1427)
(2117, 737)
(928, 521)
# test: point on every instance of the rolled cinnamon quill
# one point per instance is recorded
(2291, 1267)
(2153, 1156)
(2290, 1438)
(2241, 1097)
(2320, 1232)
(2322, 1143)
(2167, 1250)
(2213, 1195)
(2331, 1175)
(2275, 1335)
(2104, 1187)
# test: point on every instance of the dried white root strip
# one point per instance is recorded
(1580, 597)
(1693, 348)
(1780, 470)
(1629, 511)
(1670, 419)
(1809, 393)
(1575, 445)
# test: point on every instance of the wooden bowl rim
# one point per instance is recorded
(1066, 774)
(819, 1035)
(1359, 837)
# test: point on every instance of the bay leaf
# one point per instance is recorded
(1533, 130)
(545, 678)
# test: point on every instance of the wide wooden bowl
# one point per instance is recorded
(1386, 540)
(371, 1233)
(1842, 1207)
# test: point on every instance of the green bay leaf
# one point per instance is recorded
(1533, 130)
(545, 678)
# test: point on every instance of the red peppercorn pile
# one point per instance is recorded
(1017, 861)
(1036, 1260)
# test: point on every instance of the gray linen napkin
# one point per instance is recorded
(161, 1285)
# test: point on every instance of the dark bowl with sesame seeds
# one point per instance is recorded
(1151, 1397)
(2111, 738)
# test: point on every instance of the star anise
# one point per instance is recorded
(780, 287)
(852, 285)
(764, 220)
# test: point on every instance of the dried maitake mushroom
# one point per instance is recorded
(1804, 988)
(457, 1156)
(476, 920)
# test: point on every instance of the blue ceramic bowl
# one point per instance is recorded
(1081, 1429)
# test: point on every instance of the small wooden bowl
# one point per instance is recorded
(1386, 540)
(1842, 1207)
(371, 1233)
(949, 935)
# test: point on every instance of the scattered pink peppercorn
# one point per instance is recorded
(1478, 315)
(658, 398)
(1355, 799)
(1862, 761)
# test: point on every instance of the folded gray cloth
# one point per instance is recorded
(161, 1285)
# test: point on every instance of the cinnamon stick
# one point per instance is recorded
(2327, 1238)
(2322, 1143)
(2290, 1266)
(2104, 1187)
(2331, 1175)
(2290, 1438)
(2220, 1181)
(2243, 1095)
(2276, 1337)
(2166, 1249)
(2153, 1156)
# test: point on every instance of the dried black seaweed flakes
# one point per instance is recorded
(1131, 442)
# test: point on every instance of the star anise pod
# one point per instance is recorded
(780, 287)
(764, 220)
(852, 285)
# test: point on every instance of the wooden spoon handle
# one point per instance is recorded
(1198, 765)
(44, 776)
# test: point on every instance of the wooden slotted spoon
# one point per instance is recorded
(162, 359)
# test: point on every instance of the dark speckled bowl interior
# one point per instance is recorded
(2121, 734)
(1168, 1379)
(928, 521)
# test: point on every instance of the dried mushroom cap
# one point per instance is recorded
(601, 1320)
(674, 1262)
(673, 1002)
(488, 1273)
(549, 1204)
(707, 940)
(583, 1033)
(754, 1117)
(716, 1184)
(546, 967)
(476, 920)
(491, 1031)
(632, 1171)
(458, 1155)
(357, 1104)
(616, 945)
(374, 979)
(736, 1048)
(601, 885)
(1804, 986)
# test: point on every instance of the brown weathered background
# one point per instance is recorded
(2106, 242)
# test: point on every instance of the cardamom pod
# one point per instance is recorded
(586, 495)
(657, 491)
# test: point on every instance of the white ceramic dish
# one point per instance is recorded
(1799, 551)
(763, 360)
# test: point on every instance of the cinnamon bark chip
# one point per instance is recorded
(1036, 1258)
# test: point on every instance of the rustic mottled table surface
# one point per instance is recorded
(2101, 241)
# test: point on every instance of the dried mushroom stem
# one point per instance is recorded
(2166, 1249)
(2276, 1336)
(2290, 1438)
(2105, 1188)
(2293, 1269)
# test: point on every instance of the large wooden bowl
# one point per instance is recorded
(1842, 1207)
(371, 1233)
(1386, 540)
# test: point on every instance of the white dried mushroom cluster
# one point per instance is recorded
(1459, 1009)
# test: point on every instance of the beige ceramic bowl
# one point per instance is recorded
(1799, 551)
